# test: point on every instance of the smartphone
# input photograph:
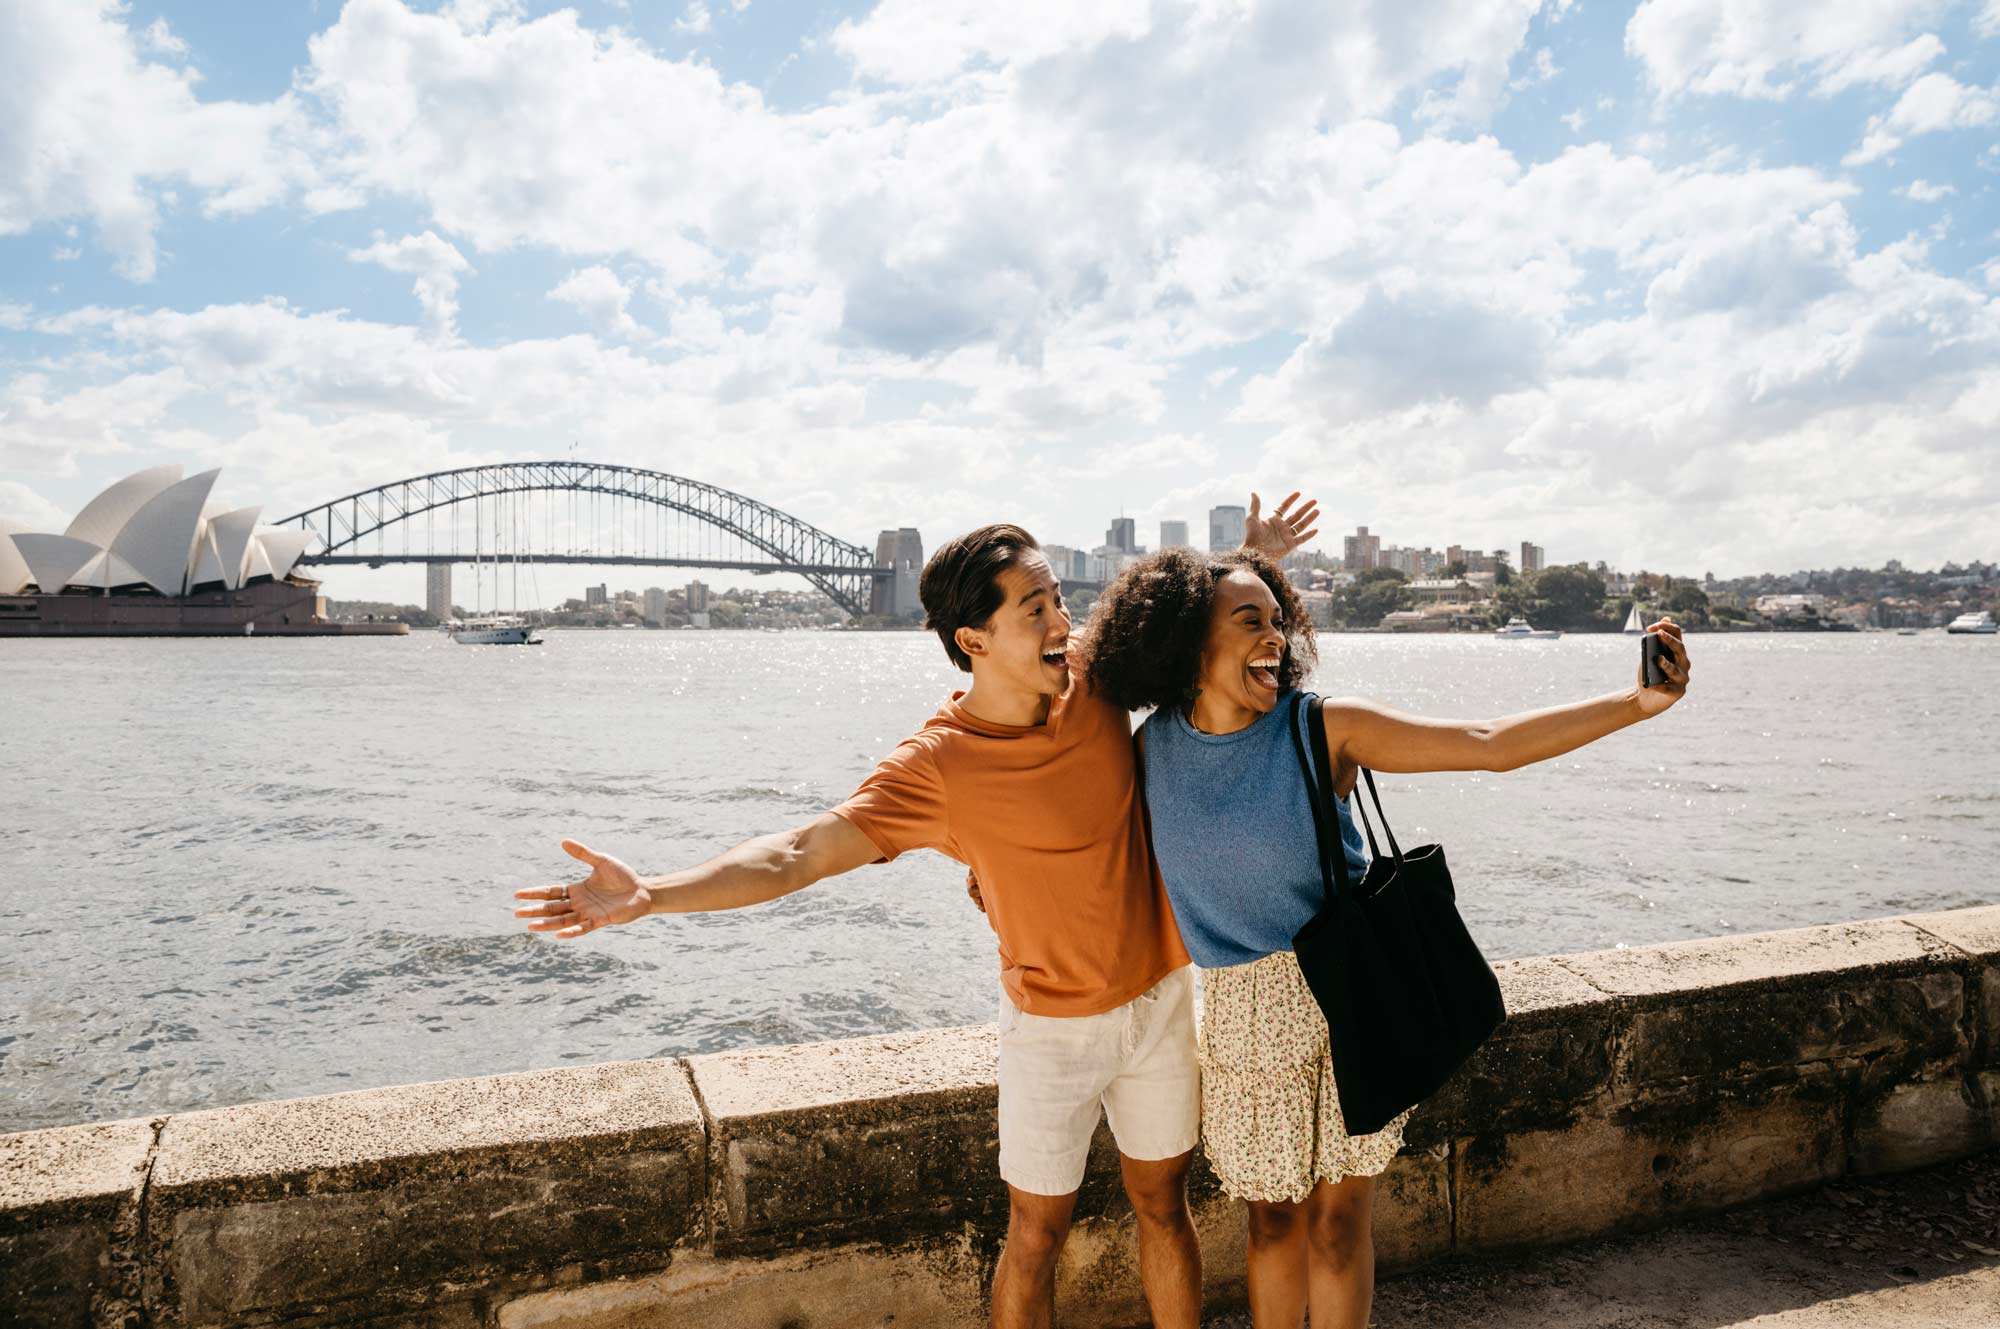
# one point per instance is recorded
(1653, 652)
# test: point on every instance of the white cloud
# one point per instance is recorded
(696, 18)
(160, 40)
(45, 430)
(1575, 120)
(1934, 103)
(598, 294)
(1922, 191)
(1987, 22)
(98, 133)
(437, 267)
(1541, 70)
(25, 508)
(1762, 49)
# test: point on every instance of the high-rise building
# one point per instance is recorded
(1456, 554)
(437, 590)
(1532, 557)
(599, 594)
(1362, 550)
(697, 597)
(1123, 536)
(656, 606)
(896, 597)
(1173, 535)
(1066, 563)
(1225, 528)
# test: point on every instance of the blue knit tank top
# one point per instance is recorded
(1233, 833)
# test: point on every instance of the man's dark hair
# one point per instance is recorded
(960, 586)
(1148, 628)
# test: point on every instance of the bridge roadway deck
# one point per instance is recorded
(504, 561)
(1901, 1252)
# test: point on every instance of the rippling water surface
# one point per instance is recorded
(237, 870)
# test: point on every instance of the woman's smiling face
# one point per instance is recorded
(1241, 658)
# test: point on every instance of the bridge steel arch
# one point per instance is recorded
(845, 572)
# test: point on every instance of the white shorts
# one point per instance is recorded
(1136, 1063)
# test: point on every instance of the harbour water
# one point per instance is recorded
(235, 870)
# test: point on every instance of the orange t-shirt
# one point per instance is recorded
(1050, 818)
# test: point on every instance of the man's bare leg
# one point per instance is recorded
(1169, 1254)
(1024, 1286)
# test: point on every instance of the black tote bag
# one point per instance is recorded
(1406, 994)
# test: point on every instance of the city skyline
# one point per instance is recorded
(1680, 284)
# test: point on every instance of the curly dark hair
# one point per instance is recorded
(1149, 626)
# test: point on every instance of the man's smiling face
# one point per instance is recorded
(1025, 645)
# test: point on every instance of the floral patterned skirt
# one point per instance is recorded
(1270, 1119)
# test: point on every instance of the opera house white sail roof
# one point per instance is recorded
(153, 528)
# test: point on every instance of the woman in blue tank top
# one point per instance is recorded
(1217, 646)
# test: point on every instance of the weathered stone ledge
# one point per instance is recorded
(846, 1183)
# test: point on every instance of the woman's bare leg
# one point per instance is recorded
(1340, 1252)
(1277, 1264)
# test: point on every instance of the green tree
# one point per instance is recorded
(1455, 570)
(1377, 592)
(1688, 603)
(1567, 597)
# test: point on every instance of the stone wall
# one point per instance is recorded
(854, 1183)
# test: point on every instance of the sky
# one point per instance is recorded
(1685, 285)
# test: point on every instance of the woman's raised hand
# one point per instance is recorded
(610, 894)
(1657, 698)
(1284, 530)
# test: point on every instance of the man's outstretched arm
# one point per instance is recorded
(751, 873)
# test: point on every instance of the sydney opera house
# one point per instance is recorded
(153, 556)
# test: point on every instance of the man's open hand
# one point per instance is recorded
(1284, 530)
(610, 894)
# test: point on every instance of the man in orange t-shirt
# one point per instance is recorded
(1030, 782)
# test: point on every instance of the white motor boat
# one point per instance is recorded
(496, 632)
(1979, 624)
(1518, 629)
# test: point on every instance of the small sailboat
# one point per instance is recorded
(1634, 625)
(1518, 629)
(498, 630)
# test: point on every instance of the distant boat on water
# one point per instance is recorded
(1633, 623)
(1978, 624)
(496, 632)
(1517, 629)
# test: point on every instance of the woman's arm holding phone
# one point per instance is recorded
(1363, 733)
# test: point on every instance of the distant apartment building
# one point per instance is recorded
(1225, 528)
(1066, 562)
(437, 590)
(1123, 536)
(1454, 554)
(1318, 606)
(1104, 563)
(697, 597)
(1173, 535)
(1361, 551)
(655, 611)
(1413, 563)
(896, 597)
(594, 596)
(1532, 557)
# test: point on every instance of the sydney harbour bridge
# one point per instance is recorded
(533, 512)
